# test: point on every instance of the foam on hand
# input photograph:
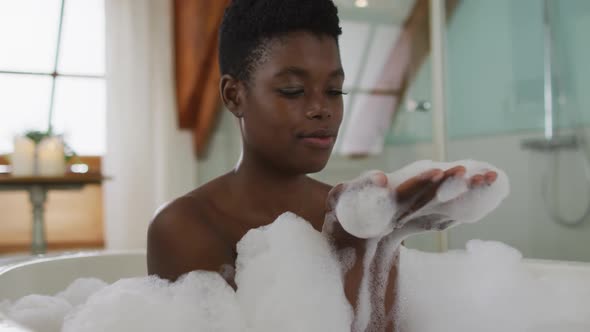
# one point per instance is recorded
(366, 212)
(451, 189)
(470, 205)
(369, 210)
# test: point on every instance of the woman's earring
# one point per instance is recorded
(239, 114)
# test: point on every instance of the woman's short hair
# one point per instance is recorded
(249, 25)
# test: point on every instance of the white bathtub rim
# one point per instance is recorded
(30, 260)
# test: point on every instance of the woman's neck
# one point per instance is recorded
(266, 186)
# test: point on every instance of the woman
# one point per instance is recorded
(282, 79)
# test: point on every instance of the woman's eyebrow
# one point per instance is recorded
(337, 73)
(297, 71)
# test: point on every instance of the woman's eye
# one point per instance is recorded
(336, 92)
(291, 92)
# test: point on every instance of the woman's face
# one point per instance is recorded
(292, 106)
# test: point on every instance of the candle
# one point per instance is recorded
(23, 157)
(50, 157)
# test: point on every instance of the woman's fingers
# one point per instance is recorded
(421, 193)
(486, 178)
(426, 193)
(417, 184)
(476, 180)
(490, 177)
(379, 179)
(457, 171)
(414, 193)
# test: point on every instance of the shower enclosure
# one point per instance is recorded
(503, 81)
(516, 79)
(506, 82)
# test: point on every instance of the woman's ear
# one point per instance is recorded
(231, 93)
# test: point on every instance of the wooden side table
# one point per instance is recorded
(38, 186)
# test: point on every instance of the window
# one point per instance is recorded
(52, 66)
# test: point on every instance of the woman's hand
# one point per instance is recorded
(409, 197)
(373, 269)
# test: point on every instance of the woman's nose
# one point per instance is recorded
(318, 109)
(318, 113)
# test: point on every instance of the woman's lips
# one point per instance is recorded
(318, 142)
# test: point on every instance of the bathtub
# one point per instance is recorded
(51, 274)
(557, 269)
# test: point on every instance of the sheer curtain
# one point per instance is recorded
(149, 159)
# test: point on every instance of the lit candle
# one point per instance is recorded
(23, 157)
(50, 157)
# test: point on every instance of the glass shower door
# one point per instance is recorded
(517, 80)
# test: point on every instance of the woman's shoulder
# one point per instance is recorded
(192, 205)
(181, 237)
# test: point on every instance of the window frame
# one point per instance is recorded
(55, 74)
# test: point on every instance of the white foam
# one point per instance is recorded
(7, 325)
(452, 189)
(288, 277)
(369, 209)
(199, 301)
(366, 304)
(366, 212)
(487, 288)
(40, 312)
(290, 280)
(81, 289)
